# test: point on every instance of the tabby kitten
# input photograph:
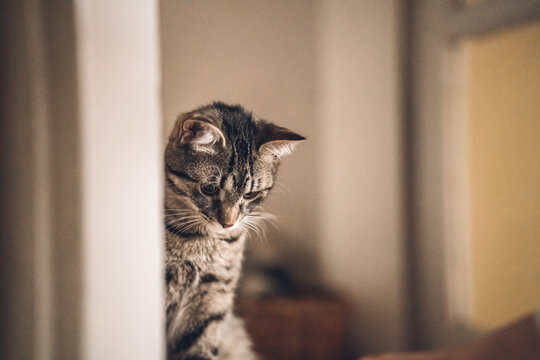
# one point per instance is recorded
(220, 164)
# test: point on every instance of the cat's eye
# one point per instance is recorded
(252, 195)
(209, 189)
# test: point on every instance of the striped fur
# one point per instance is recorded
(220, 164)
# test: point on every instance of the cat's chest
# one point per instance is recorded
(207, 259)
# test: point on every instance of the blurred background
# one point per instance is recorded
(408, 220)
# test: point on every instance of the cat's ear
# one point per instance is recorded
(200, 134)
(278, 141)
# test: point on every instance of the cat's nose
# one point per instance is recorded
(228, 216)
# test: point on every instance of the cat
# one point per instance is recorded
(220, 164)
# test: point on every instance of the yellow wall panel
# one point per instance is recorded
(504, 148)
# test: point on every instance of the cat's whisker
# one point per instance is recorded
(187, 227)
(257, 221)
(189, 215)
(251, 228)
(180, 212)
(189, 221)
(173, 217)
(264, 217)
(178, 209)
(282, 188)
(183, 216)
(183, 221)
(278, 190)
(193, 225)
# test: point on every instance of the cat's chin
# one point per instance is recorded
(219, 230)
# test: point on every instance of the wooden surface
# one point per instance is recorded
(308, 328)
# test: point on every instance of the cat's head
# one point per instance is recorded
(220, 164)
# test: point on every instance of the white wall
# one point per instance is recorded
(121, 170)
(329, 70)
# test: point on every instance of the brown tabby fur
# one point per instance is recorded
(220, 163)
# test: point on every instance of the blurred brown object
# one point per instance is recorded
(298, 328)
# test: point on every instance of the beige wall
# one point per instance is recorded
(329, 70)
(358, 100)
(504, 166)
